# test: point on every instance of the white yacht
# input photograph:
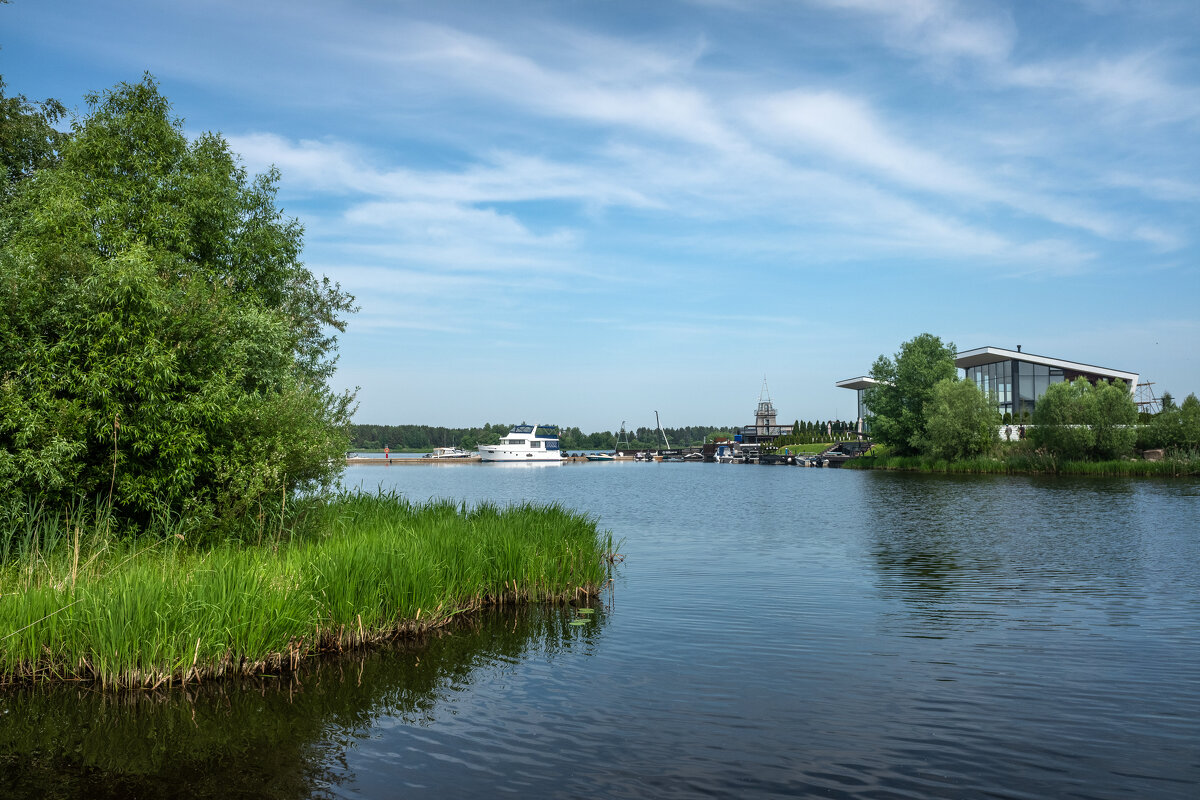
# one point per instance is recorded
(525, 443)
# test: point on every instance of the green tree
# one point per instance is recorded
(1079, 420)
(28, 139)
(1063, 420)
(161, 344)
(961, 421)
(896, 405)
(1115, 425)
(1176, 427)
(1189, 412)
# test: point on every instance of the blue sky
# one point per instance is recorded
(586, 211)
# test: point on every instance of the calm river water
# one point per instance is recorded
(774, 631)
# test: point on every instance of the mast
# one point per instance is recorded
(660, 430)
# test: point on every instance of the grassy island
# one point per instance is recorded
(165, 359)
(81, 605)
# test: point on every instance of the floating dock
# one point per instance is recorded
(401, 462)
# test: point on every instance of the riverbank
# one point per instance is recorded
(1028, 465)
(367, 568)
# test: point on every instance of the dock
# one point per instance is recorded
(833, 456)
(401, 462)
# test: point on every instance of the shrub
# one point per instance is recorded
(1080, 421)
(161, 344)
(897, 404)
(961, 421)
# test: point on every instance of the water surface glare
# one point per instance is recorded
(774, 631)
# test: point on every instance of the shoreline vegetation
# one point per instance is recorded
(923, 417)
(79, 604)
(169, 441)
(1027, 462)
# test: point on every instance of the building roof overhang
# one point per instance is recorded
(861, 382)
(989, 355)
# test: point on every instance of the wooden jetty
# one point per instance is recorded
(441, 462)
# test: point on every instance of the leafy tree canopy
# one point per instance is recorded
(28, 138)
(1176, 427)
(161, 344)
(1079, 420)
(897, 405)
(961, 421)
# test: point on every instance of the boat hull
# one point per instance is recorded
(519, 456)
(524, 445)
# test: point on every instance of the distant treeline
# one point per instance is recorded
(427, 437)
(819, 431)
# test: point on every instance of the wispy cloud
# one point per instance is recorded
(1136, 83)
(846, 128)
(942, 31)
(1159, 188)
(334, 167)
(604, 82)
(938, 29)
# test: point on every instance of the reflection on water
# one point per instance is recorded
(272, 737)
(773, 632)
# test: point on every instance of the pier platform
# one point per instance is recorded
(404, 462)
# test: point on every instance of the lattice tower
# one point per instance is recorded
(1145, 400)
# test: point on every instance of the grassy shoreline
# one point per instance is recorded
(1028, 465)
(143, 613)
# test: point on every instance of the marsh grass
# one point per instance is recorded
(1030, 463)
(78, 602)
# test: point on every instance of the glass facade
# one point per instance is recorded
(862, 411)
(1015, 385)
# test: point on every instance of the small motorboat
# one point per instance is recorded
(448, 452)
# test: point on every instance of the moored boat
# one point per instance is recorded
(448, 452)
(525, 443)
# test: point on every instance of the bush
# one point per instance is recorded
(1174, 428)
(961, 421)
(897, 404)
(1080, 421)
(161, 344)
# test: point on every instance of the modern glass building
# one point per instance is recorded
(1015, 380)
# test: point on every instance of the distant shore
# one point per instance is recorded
(1026, 465)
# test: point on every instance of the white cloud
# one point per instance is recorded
(1168, 189)
(334, 167)
(937, 29)
(847, 128)
(603, 82)
(1137, 82)
(649, 135)
(440, 222)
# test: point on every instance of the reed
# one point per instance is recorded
(148, 611)
(1030, 463)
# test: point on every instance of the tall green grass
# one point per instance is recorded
(1029, 463)
(77, 602)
